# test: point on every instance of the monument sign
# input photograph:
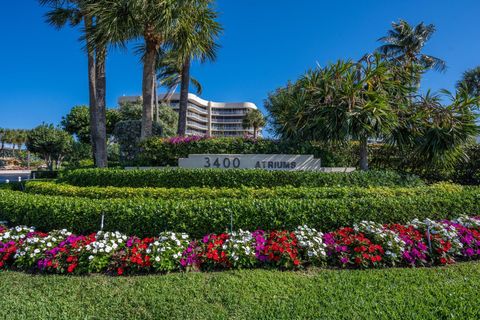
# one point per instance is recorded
(278, 162)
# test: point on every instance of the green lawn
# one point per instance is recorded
(438, 293)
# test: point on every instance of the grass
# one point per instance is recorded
(437, 293)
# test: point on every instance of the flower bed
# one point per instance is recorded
(365, 245)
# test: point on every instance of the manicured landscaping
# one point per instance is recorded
(215, 178)
(431, 293)
(147, 217)
(61, 189)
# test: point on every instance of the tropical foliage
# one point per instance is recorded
(255, 120)
(404, 44)
(376, 99)
(471, 81)
(16, 138)
(77, 13)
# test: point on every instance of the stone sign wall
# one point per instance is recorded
(278, 162)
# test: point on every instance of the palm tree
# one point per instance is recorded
(254, 119)
(169, 75)
(338, 103)
(471, 81)
(3, 132)
(404, 44)
(151, 20)
(445, 129)
(194, 38)
(74, 12)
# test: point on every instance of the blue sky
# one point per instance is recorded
(265, 44)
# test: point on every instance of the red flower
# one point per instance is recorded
(71, 268)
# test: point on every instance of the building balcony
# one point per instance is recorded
(221, 120)
(196, 125)
(197, 117)
(220, 112)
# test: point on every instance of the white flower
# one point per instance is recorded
(90, 257)
(157, 259)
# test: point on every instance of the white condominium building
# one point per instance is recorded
(208, 118)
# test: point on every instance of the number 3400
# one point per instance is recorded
(226, 163)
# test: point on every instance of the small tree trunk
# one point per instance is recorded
(183, 107)
(100, 109)
(364, 154)
(149, 64)
(255, 134)
(91, 86)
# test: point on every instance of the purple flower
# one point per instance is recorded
(469, 252)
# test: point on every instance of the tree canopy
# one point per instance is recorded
(50, 143)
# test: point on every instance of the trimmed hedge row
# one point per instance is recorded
(147, 217)
(55, 189)
(214, 178)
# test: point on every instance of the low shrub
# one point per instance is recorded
(58, 189)
(44, 174)
(215, 178)
(199, 216)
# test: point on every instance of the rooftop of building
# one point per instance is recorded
(197, 100)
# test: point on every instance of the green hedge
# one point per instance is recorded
(146, 217)
(58, 189)
(215, 178)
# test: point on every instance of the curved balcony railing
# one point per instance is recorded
(197, 116)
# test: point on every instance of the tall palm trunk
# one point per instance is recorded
(100, 109)
(155, 94)
(91, 86)
(150, 61)
(364, 154)
(183, 107)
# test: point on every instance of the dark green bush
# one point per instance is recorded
(463, 171)
(215, 178)
(44, 174)
(468, 172)
(145, 217)
(15, 185)
(58, 189)
(127, 134)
